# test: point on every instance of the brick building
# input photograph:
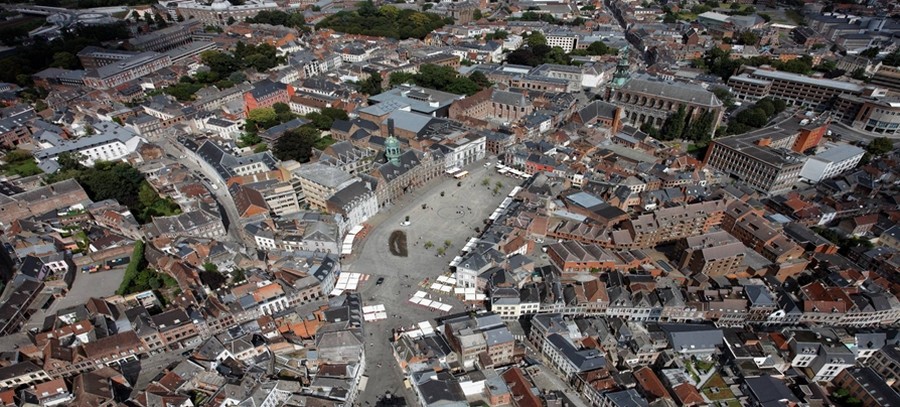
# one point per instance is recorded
(266, 93)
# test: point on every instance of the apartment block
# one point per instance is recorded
(167, 38)
(886, 362)
(266, 94)
(319, 182)
(867, 386)
(221, 12)
(713, 254)
(763, 159)
(566, 40)
(795, 89)
(831, 161)
(112, 142)
(115, 74)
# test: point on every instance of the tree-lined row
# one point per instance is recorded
(442, 78)
(385, 21)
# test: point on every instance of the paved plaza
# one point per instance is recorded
(452, 217)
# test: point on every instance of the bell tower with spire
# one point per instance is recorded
(392, 145)
(623, 68)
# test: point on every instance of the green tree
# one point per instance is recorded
(536, 38)
(767, 106)
(64, 60)
(323, 120)
(748, 38)
(70, 161)
(249, 139)
(523, 56)
(277, 17)
(219, 62)
(724, 95)
(859, 74)
(800, 65)
(779, 104)
(497, 35)
(212, 278)
(650, 130)
(701, 129)
(335, 114)
(384, 22)
(399, 78)
(480, 79)
(441, 78)
(870, 52)
(428, 245)
(230, 20)
(263, 117)
(476, 15)
(826, 66)
(147, 196)
(183, 91)
(674, 125)
(20, 162)
(600, 48)
(283, 113)
(160, 21)
(296, 144)
(892, 59)
(131, 271)
(754, 117)
(238, 275)
(237, 77)
(371, 85)
(557, 56)
(879, 146)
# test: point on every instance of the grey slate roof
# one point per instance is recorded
(688, 337)
(767, 389)
(673, 90)
(331, 177)
(584, 360)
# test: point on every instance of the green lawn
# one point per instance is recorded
(795, 16)
(22, 168)
(723, 393)
(692, 372)
(324, 142)
(703, 365)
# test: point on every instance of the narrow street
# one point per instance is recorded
(220, 193)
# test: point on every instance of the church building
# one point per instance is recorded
(648, 99)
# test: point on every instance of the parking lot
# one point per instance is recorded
(452, 217)
(86, 285)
